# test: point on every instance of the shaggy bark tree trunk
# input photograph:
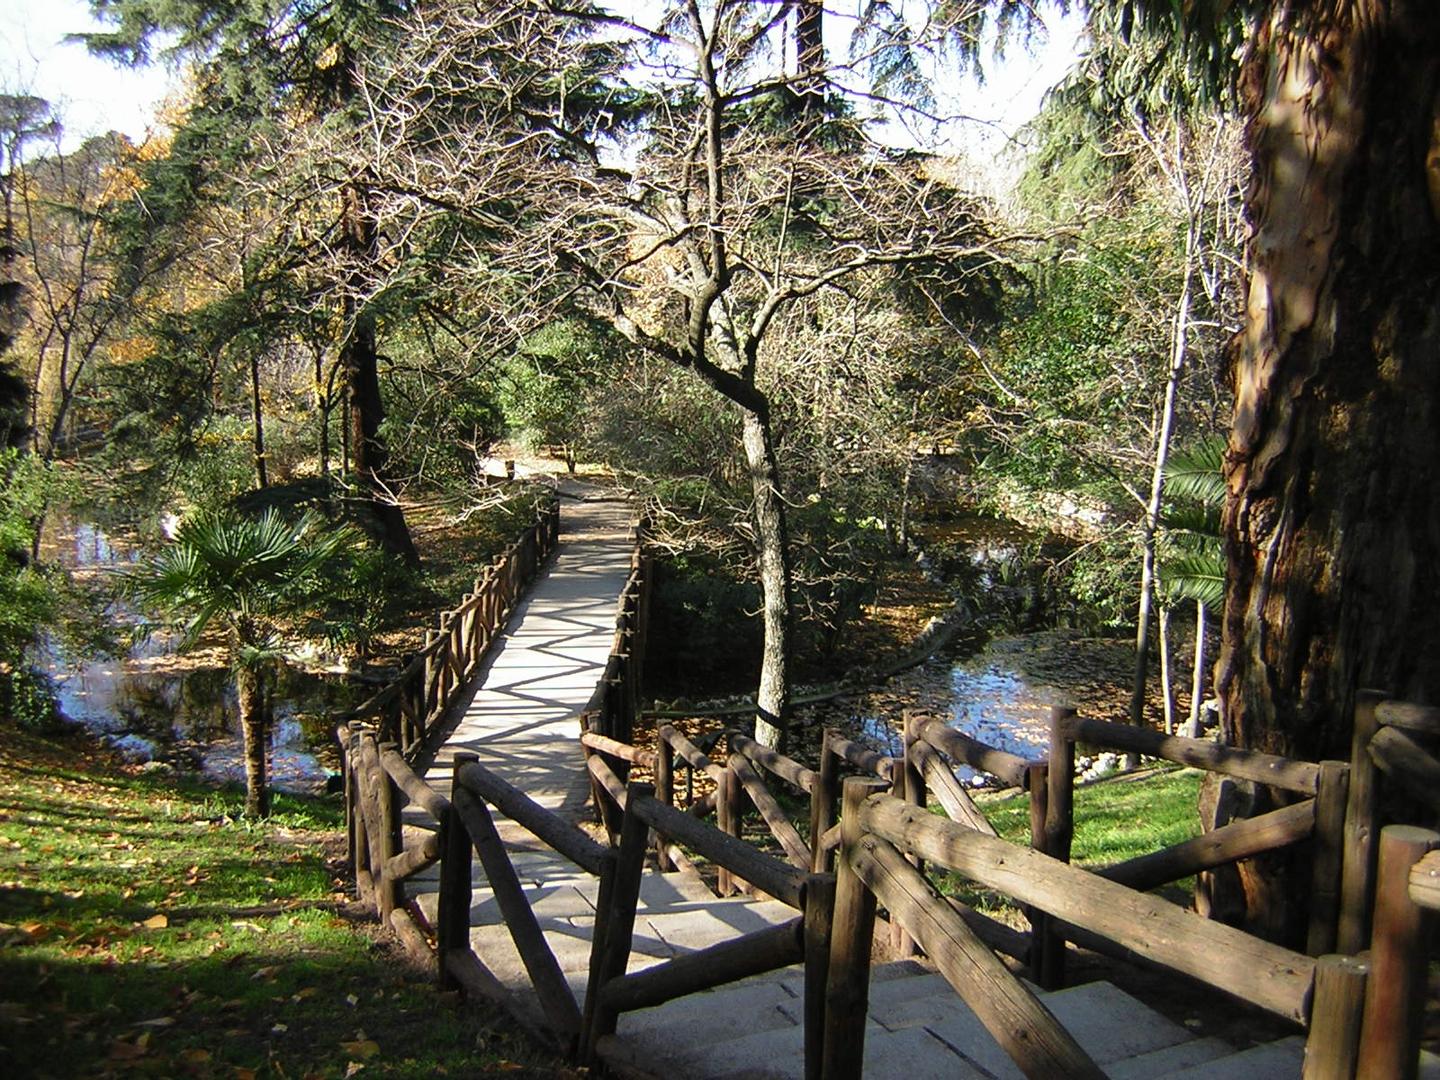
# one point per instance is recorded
(360, 359)
(772, 701)
(1331, 522)
(250, 692)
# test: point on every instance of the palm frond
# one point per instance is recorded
(1193, 472)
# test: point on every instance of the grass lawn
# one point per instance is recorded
(146, 931)
(1116, 818)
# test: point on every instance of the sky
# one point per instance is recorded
(91, 96)
(94, 96)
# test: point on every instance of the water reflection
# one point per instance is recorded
(186, 718)
(989, 700)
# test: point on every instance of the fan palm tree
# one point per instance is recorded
(1193, 565)
(246, 576)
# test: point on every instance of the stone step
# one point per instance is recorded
(1268, 1061)
(1170, 1059)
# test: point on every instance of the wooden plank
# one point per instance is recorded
(452, 922)
(1328, 860)
(773, 814)
(847, 986)
(819, 925)
(788, 769)
(952, 797)
(1018, 1021)
(765, 872)
(1239, 840)
(615, 748)
(1425, 882)
(416, 789)
(665, 792)
(1333, 1046)
(693, 755)
(1407, 763)
(728, 961)
(727, 822)
(405, 928)
(1302, 777)
(1357, 885)
(1408, 715)
(548, 981)
(823, 794)
(411, 860)
(862, 757)
(1047, 944)
(1266, 975)
(564, 837)
(961, 748)
(619, 918)
(1395, 991)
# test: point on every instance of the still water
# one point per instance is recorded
(152, 708)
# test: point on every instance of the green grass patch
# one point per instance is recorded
(1116, 819)
(147, 930)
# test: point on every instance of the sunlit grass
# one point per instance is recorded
(146, 929)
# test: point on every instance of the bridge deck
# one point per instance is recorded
(519, 715)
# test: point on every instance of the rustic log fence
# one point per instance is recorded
(1362, 1013)
(411, 708)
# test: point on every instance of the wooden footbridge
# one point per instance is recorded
(518, 859)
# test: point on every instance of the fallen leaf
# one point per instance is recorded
(361, 1048)
(308, 992)
(124, 1051)
(242, 1073)
(352, 1068)
(352, 1000)
(279, 1029)
(156, 922)
(196, 1056)
(158, 1022)
(508, 1066)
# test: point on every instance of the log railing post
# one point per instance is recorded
(1059, 827)
(452, 921)
(620, 920)
(847, 985)
(728, 822)
(665, 792)
(910, 782)
(819, 927)
(1357, 874)
(1399, 952)
(823, 794)
(1333, 1044)
(1045, 943)
(1329, 843)
(392, 892)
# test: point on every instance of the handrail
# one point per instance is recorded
(569, 840)
(1302, 777)
(1265, 975)
(767, 873)
(416, 700)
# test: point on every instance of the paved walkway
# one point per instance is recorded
(519, 714)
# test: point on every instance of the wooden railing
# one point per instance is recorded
(612, 709)
(413, 705)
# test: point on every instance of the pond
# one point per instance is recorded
(181, 711)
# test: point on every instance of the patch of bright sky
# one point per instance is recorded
(94, 96)
(90, 95)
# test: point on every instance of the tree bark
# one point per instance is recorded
(360, 359)
(1331, 524)
(253, 731)
(772, 540)
(257, 416)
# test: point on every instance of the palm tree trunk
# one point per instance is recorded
(250, 690)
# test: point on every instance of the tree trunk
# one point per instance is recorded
(772, 544)
(257, 415)
(360, 359)
(250, 691)
(1332, 527)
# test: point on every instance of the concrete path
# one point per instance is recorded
(519, 714)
